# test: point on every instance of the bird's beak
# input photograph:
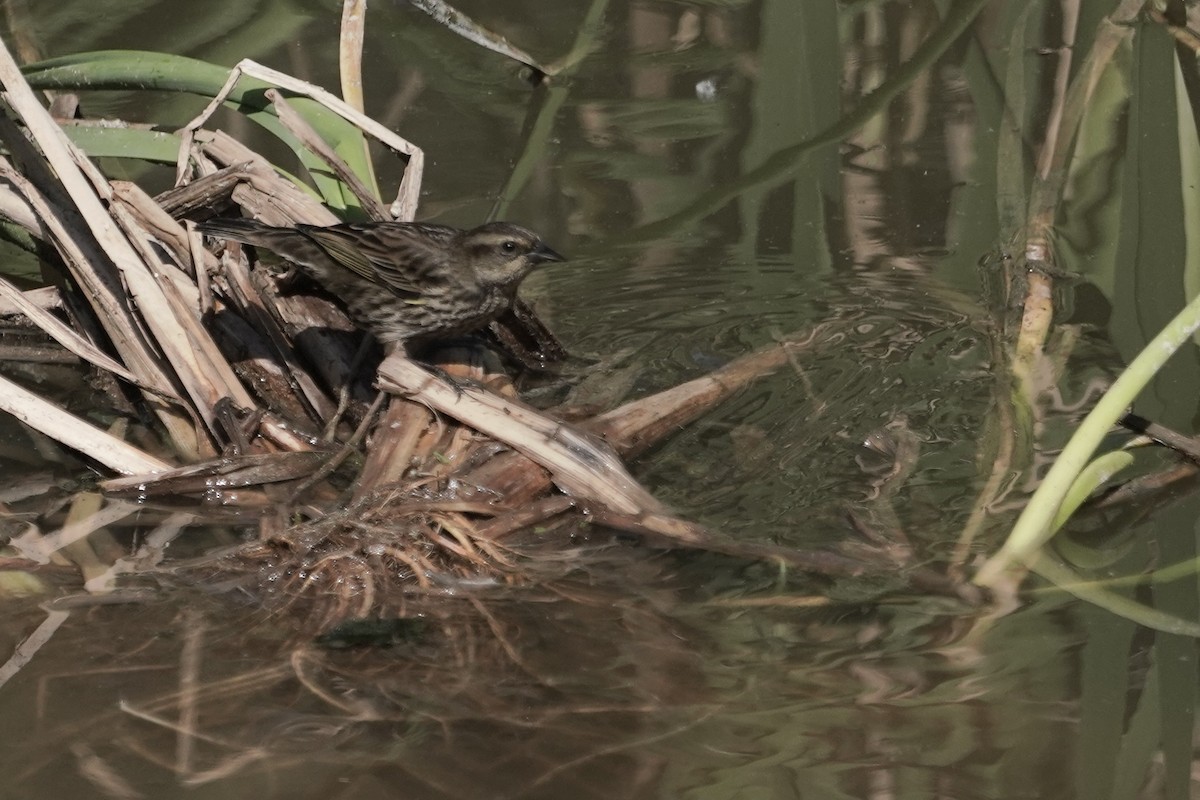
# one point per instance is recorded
(542, 253)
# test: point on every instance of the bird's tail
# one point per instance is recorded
(246, 231)
(292, 244)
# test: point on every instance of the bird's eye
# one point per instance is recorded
(509, 247)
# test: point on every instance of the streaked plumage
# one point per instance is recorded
(406, 281)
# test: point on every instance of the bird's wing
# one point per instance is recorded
(403, 257)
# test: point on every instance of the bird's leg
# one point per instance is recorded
(237, 425)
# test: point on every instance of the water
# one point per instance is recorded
(639, 673)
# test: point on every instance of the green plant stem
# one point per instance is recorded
(1034, 527)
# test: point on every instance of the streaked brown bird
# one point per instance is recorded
(405, 281)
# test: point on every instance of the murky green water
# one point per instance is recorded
(642, 676)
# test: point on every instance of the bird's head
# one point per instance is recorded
(502, 254)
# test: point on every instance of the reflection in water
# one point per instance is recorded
(671, 173)
(578, 688)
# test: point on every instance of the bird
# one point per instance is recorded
(408, 283)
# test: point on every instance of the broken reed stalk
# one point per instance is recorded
(1030, 281)
(184, 346)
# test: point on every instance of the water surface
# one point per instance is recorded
(640, 675)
